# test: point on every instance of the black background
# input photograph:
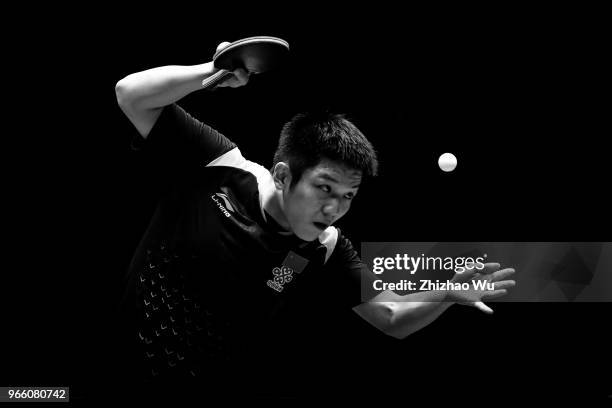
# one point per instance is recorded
(517, 94)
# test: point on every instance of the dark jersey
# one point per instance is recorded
(214, 277)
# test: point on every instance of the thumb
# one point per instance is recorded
(482, 307)
(222, 45)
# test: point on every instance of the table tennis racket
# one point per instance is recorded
(253, 54)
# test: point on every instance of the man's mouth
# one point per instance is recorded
(320, 225)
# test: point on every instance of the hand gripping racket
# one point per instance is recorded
(253, 54)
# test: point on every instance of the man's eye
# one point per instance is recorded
(350, 196)
(325, 188)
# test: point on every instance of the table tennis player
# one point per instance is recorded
(234, 247)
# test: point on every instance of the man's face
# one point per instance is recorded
(321, 197)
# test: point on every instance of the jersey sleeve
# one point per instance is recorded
(179, 136)
(350, 278)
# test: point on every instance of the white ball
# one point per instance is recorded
(447, 162)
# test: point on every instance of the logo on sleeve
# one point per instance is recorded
(225, 206)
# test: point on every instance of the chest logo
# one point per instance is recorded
(292, 265)
(282, 276)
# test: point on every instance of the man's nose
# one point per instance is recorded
(331, 208)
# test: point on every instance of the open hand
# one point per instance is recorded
(489, 274)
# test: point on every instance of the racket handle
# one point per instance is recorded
(216, 78)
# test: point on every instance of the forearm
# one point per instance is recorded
(162, 86)
(412, 312)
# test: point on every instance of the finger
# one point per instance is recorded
(230, 81)
(504, 284)
(468, 272)
(242, 77)
(482, 307)
(238, 78)
(494, 294)
(490, 267)
(222, 45)
(502, 274)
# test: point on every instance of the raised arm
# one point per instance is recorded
(143, 95)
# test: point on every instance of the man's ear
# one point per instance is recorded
(281, 175)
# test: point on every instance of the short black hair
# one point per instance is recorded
(310, 137)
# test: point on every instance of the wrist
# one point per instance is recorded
(450, 297)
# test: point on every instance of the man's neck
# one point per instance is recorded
(272, 206)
